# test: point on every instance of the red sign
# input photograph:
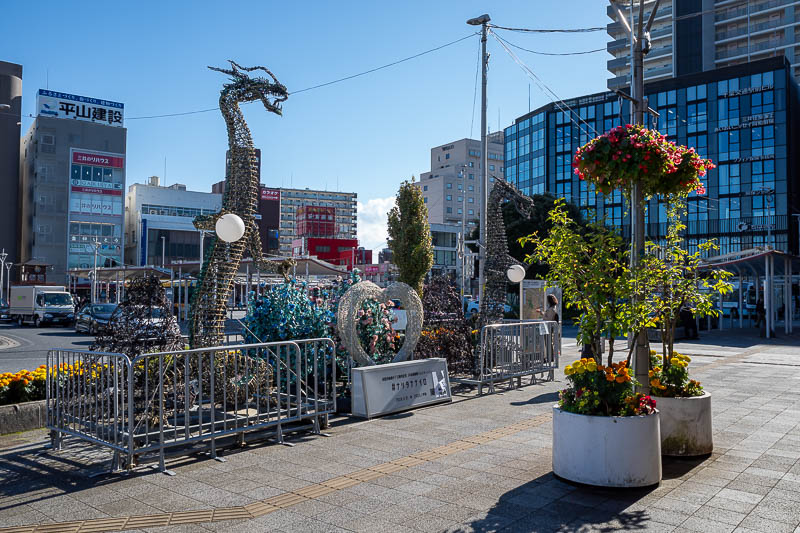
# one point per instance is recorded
(371, 269)
(272, 195)
(97, 190)
(84, 158)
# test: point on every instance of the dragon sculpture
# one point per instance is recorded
(217, 274)
(497, 258)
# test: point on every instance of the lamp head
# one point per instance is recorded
(477, 21)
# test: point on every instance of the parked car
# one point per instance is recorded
(4, 310)
(474, 307)
(42, 304)
(93, 318)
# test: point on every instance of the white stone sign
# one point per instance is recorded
(382, 389)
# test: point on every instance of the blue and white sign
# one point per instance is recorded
(55, 104)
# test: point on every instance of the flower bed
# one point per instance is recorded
(23, 386)
(629, 153)
(600, 390)
(671, 380)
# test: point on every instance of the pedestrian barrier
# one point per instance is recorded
(512, 350)
(186, 401)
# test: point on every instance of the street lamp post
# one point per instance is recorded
(163, 248)
(638, 35)
(8, 278)
(463, 228)
(93, 296)
(483, 22)
(3, 256)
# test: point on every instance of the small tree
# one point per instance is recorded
(592, 270)
(410, 236)
(673, 281)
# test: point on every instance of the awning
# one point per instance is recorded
(753, 262)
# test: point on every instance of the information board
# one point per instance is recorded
(382, 389)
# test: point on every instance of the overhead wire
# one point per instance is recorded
(604, 49)
(559, 30)
(557, 100)
(326, 84)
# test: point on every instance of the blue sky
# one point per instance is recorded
(364, 135)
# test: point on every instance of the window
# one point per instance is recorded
(730, 208)
(472, 177)
(470, 200)
(472, 165)
(728, 178)
(470, 212)
(449, 209)
(563, 138)
(449, 197)
(449, 185)
(697, 118)
(728, 111)
(322, 249)
(728, 144)
(447, 156)
(697, 92)
(471, 188)
(425, 200)
(699, 143)
(460, 187)
(491, 167)
(761, 103)
(475, 153)
(763, 174)
(763, 140)
(459, 199)
(460, 211)
(424, 187)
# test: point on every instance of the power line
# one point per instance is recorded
(339, 80)
(556, 53)
(564, 30)
(475, 90)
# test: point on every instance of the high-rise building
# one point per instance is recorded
(10, 118)
(159, 224)
(690, 36)
(739, 116)
(452, 187)
(72, 180)
(296, 205)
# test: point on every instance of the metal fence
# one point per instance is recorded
(511, 351)
(187, 401)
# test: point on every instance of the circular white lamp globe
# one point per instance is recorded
(516, 273)
(230, 227)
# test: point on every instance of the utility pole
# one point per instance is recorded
(3, 256)
(463, 243)
(638, 35)
(163, 251)
(483, 22)
(93, 296)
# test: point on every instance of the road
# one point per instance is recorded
(33, 344)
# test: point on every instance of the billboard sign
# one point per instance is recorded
(56, 104)
(272, 195)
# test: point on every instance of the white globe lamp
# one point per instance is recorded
(230, 227)
(515, 273)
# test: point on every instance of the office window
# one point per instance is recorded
(472, 176)
(459, 199)
(699, 143)
(460, 187)
(763, 174)
(524, 145)
(697, 117)
(563, 138)
(424, 187)
(460, 211)
(728, 176)
(730, 208)
(471, 188)
(471, 212)
(449, 209)
(491, 167)
(447, 156)
(449, 197)
(425, 200)
(698, 210)
(449, 185)
(472, 165)
(728, 111)
(537, 140)
(763, 140)
(697, 92)
(728, 145)
(762, 103)
(470, 200)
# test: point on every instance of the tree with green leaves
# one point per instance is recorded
(591, 267)
(673, 279)
(410, 236)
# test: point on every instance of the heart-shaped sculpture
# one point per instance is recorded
(347, 318)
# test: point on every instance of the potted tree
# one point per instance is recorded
(674, 284)
(604, 433)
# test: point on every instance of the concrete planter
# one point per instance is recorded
(686, 425)
(607, 451)
(22, 416)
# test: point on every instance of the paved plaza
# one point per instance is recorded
(478, 464)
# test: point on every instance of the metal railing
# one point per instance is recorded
(175, 402)
(511, 351)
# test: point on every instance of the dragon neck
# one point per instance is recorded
(238, 132)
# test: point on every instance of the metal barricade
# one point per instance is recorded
(511, 351)
(175, 402)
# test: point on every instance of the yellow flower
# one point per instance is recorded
(568, 370)
(581, 369)
(591, 366)
(675, 361)
(651, 374)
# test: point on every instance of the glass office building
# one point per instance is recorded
(742, 117)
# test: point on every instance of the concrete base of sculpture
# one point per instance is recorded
(383, 389)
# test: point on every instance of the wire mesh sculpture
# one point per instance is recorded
(347, 318)
(209, 303)
(143, 322)
(498, 259)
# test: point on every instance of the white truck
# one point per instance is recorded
(41, 304)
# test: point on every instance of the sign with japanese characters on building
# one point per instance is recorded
(272, 195)
(55, 104)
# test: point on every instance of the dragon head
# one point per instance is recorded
(249, 89)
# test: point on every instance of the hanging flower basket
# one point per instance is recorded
(628, 154)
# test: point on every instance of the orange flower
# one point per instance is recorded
(621, 379)
(609, 377)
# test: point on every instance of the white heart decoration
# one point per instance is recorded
(347, 318)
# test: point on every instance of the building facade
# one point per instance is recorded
(690, 36)
(451, 189)
(159, 220)
(444, 239)
(291, 200)
(72, 179)
(742, 117)
(10, 118)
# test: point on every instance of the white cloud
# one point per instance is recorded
(372, 217)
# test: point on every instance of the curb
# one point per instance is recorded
(22, 416)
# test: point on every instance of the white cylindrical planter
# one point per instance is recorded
(686, 425)
(607, 451)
